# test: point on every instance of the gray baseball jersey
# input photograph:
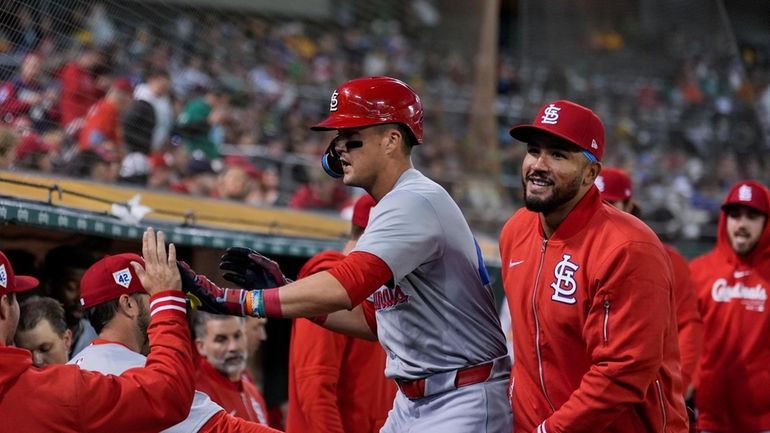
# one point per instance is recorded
(113, 358)
(439, 314)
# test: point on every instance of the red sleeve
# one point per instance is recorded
(370, 315)
(162, 390)
(221, 422)
(689, 322)
(316, 360)
(361, 273)
(626, 363)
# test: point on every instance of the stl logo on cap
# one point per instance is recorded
(3, 276)
(550, 115)
(122, 277)
(593, 144)
(744, 193)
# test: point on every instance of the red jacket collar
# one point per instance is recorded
(578, 217)
(214, 374)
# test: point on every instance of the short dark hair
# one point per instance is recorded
(36, 308)
(201, 320)
(101, 314)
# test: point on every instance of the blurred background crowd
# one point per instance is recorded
(216, 100)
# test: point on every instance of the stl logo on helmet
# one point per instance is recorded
(550, 115)
(333, 103)
(565, 286)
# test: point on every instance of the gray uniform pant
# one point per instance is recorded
(478, 408)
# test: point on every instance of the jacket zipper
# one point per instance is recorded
(537, 327)
(606, 320)
(662, 404)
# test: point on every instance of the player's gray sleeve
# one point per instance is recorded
(404, 231)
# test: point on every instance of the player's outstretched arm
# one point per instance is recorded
(158, 396)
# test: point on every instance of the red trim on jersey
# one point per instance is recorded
(361, 273)
(272, 302)
(99, 341)
(370, 315)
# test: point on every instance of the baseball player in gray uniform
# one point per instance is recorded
(435, 315)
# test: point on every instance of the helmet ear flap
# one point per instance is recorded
(330, 161)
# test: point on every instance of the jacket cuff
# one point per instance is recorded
(168, 300)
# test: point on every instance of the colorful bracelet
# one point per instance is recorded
(255, 303)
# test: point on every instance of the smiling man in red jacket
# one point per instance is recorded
(590, 289)
(732, 281)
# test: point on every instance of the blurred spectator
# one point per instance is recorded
(199, 179)
(197, 119)
(8, 143)
(239, 181)
(98, 165)
(223, 346)
(63, 267)
(79, 88)
(156, 90)
(33, 153)
(101, 128)
(137, 122)
(322, 192)
(43, 331)
(26, 95)
(99, 24)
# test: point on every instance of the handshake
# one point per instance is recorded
(246, 268)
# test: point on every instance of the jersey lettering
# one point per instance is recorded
(752, 297)
(387, 297)
(565, 286)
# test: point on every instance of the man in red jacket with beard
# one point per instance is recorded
(732, 281)
(590, 290)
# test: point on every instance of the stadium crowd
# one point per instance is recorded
(218, 105)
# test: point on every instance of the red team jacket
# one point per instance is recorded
(689, 322)
(241, 399)
(63, 398)
(336, 383)
(733, 392)
(594, 324)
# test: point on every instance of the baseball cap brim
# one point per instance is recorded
(749, 205)
(25, 283)
(527, 134)
(344, 122)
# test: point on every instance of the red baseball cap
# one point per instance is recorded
(123, 84)
(109, 278)
(748, 193)
(568, 121)
(361, 210)
(614, 184)
(12, 283)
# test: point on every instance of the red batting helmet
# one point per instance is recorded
(374, 101)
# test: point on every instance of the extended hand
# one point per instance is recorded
(160, 272)
(251, 270)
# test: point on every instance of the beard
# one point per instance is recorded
(142, 323)
(230, 364)
(559, 196)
